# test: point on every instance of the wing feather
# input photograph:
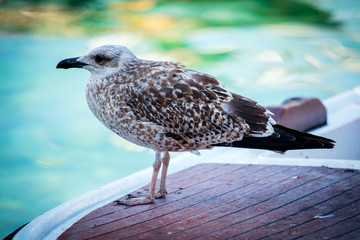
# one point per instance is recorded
(187, 104)
(255, 115)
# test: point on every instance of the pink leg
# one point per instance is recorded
(150, 198)
(165, 162)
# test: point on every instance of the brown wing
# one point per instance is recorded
(256, 116)
(187, 104)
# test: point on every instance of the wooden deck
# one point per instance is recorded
(231, 201)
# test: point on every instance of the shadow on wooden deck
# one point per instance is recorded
(227, 201)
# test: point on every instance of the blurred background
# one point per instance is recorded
(52, 148)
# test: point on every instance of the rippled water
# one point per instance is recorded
(52, 148)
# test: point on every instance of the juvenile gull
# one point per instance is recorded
(169, 108)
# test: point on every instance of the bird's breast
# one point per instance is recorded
(106, 103)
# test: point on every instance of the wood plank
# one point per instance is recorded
(236, 201)
(242, 210)
(220, 204)
(133, 215)
(118, 214)
(288, 207)
(199, 169)
(196, 203)
(350, 234)
(333, 230)
(309, 208)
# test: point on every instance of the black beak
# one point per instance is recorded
(70, 63)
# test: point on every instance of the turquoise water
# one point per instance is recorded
(52, 148)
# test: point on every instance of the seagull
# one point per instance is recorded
(163, 106)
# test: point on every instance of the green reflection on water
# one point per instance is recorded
(73, 17)
(52, 148)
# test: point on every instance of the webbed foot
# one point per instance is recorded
(133, 201)
(161, 194)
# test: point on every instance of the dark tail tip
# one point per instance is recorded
(283, 139)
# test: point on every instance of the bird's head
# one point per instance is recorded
(101, 61)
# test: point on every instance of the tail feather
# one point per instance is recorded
(283, 139)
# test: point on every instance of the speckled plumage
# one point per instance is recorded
(167, 107)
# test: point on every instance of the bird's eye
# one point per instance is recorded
(100, 59)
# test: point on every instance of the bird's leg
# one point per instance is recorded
(165, 163)
(150, 198)
(156, 166)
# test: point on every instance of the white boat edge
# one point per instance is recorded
(346, 154)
